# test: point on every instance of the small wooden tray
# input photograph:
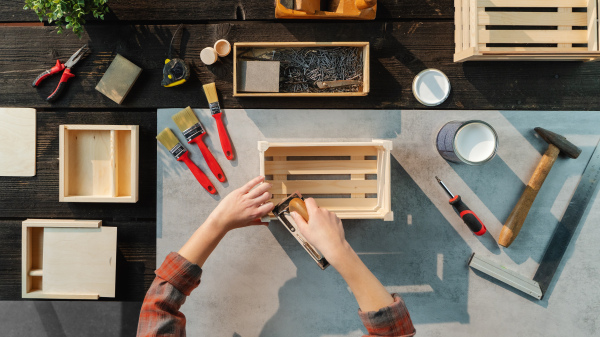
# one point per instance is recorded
(265, 46)
(98, 163)
(351, 179)
(494, 30)
(68, 259)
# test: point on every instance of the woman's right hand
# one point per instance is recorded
(324, 230)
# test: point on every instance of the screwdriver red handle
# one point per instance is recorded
(214, 166)
(61, 85)
(471, 219)
(223, 136)
(56, 69)
(200, 176)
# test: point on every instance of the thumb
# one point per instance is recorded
(300, 222)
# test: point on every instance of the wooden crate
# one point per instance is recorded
(68, 259)
(98, 163)
(351, 179)
(546, 30)
(278, 45)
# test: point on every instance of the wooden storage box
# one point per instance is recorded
(68, 259)
(364, 90)
(351, 179)
(98, 163)
(550, 30)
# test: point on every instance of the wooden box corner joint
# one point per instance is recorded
(98, 163)
(351, 179)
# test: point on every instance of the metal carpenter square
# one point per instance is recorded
(570, 220)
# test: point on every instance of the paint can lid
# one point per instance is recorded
(431, 87)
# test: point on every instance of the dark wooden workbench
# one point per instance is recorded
(407, 37)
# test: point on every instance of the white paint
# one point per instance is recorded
(209, 55)
(475, 142)
(409, 219)
(431, 87)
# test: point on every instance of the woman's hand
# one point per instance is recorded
(243, 207)
(324, 230)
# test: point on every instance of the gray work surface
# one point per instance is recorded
(260, 281)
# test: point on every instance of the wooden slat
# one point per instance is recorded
(540, 50)
(458, 26)
(567, 18)
(321, 167)
(533, 36)
(592, 24)
(318, 151)
(323, 186)
(281, 178)
(343, 204)
(562, 26)
(467, 25)
(358, 177)
(532, 3)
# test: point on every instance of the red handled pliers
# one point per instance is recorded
(66, 74)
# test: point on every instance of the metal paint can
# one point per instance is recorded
(472, 142)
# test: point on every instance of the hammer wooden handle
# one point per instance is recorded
(297, 205)
(515, 220)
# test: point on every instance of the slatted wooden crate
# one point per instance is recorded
(351, 179)
(524, 30)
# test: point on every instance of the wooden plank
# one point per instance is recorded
(17, 142)
(533, 36)
(532, 3)
(222, 10)
(458, 26)
(540, 50)
(318, 151)
(466, 15)
(281, 178)
(431, 43)
(322, 167)
(356, 178)
(324, 186)
(564, 17)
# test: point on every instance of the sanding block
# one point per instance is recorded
(295, 202)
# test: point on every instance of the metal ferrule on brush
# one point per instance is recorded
(178, 151)
(215, 108)
(193, 132)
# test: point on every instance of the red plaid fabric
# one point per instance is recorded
(175, 280)
(177, 277)
(389, 321)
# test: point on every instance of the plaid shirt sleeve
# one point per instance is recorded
(175, 280)
(393, 320)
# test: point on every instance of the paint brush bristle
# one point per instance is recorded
(167, 139)
(185, 119)
(211, 92)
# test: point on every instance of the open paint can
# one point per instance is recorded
(471, 142)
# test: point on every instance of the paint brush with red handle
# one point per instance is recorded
(471, 219)
(215, 109)
(168, 140)
(193, 131)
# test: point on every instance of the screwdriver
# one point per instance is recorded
(471, 219)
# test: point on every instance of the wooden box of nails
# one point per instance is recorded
(98, 163)
(300, 69)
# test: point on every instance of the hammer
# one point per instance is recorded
(556, 144)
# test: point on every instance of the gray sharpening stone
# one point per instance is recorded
(259, 76)
(118, 79)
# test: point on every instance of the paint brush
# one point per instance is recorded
(193, 131)
(168, 140)
(215, 109)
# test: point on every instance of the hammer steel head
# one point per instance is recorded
(559, 141)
